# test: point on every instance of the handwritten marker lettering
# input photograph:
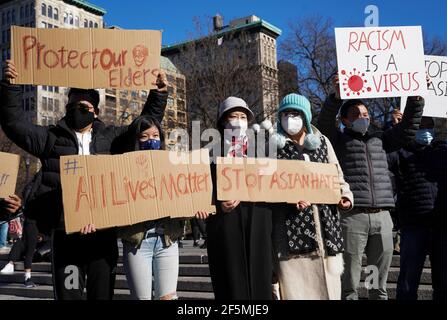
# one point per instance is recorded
(71, 165)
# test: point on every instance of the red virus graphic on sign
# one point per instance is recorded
(354, 83)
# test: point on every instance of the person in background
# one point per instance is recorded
(8, 206)
(368, 228)
(307, 237)
(423, 227)
(26, 246)
(198, 228)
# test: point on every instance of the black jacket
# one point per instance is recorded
(363, 157)
(48, 143)
(416, 195)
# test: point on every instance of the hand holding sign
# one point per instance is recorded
(344, 204)
(12, 203)
(301, 205)
(228, 206)
(10, 71)
(336, 84)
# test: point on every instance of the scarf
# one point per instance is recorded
(300, 225)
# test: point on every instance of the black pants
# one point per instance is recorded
(76, 257)
(25, 246)
(198, 227)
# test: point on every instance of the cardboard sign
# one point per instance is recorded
(125, 189)
(436, 98)
(87, 58)
(380, 62)
(290, 181)
(9, 170)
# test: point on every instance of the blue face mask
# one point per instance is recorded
(425, 136)
(151, 144)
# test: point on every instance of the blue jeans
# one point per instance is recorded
(415, 244)
(153, 257)
(4, 234)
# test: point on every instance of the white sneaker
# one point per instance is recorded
(9, 268)
(4, 250)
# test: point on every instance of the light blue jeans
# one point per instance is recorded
(153, 257)
(3, 234)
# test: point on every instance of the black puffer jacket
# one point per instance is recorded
(48, 143)
(416, 195)
(363, 157)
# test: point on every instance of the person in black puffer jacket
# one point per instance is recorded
(79, 132)
(362, 156)
(421, 232)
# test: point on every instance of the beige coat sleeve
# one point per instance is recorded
(345, 190)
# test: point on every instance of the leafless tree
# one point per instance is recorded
(223, 64)
(310, 44)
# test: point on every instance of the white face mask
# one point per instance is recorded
(239, 126)
(291, 124)
(360, 125)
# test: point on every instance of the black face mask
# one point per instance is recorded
(78, 118)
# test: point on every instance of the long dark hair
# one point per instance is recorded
(130, 141)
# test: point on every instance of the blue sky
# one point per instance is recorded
(175, 17)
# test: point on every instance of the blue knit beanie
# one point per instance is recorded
(297, 102)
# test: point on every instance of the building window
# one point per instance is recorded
(96, 25)
(44, 103)
(56, 105)
(90, 24)
(13, 16)
(65, 18)
(71, 19)
(8, 17)
(43, 24)
(22, 12)
(27, 13)
(50, 12)
(50, 104)
(77, 21)
(85, 23)
(56, 14)
(43, 10)
(56, 89)
(3, 18)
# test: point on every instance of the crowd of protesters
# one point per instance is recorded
(257, 251)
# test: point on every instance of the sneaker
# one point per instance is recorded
(196, 243)
(203, 246)
(5, 250)
(8, 269)
(29, 283)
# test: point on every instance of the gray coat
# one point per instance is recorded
(363, 158)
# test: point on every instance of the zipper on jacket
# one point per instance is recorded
(371, 178)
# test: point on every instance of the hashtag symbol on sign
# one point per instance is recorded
(71, 165)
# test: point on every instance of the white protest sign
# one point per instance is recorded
(379, 62)
(436, 98)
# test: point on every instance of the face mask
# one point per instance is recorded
(292, 125)
(425, 136)
(151, 144)
(238, 126)
(360, 125)
(78, 118)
